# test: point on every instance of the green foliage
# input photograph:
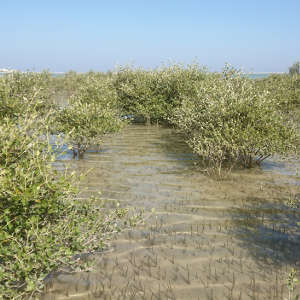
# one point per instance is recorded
(83, 227)
(230, 122)
(284, 90)
(24, 92)
(154, 94)
(42, 225)
(91, 113)
(67, 83)
(34, 193)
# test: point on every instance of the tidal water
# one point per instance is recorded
(201, 238)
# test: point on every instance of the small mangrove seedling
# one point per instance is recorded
(291, 283)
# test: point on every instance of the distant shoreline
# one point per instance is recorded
(7, 71)
(266, 73)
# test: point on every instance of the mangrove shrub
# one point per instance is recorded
(25, 92)
(229, 122)
(283, 89)
(42, 225)
(91, 113)
(154, 94)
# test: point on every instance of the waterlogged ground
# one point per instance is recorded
(207, 239)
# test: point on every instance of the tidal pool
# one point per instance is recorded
(206, 239)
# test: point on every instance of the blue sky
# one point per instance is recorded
(83, 35)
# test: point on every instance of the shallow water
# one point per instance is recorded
(207, 239)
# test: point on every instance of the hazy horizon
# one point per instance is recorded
(59, 72)
(256, 36)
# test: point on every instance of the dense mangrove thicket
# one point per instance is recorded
(154, 94)
(226, 118)
(42, 224)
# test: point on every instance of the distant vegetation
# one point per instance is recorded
(295, 69)
(228, 120)
(154, 94)
(284, 91)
